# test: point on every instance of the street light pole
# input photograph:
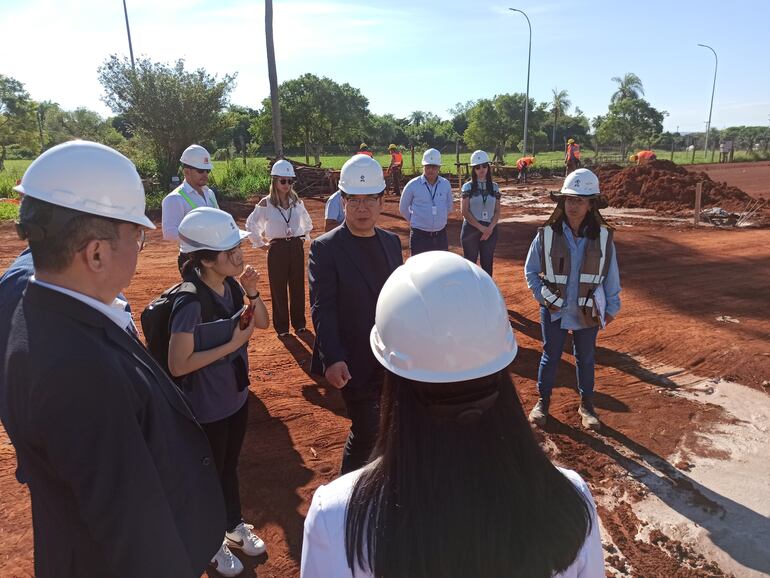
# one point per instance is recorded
(711, 106)
(128, 31)
(529, 59)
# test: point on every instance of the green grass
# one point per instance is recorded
(9, 211)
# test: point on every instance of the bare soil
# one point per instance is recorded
(677, 281)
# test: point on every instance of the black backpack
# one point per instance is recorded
(156, 317)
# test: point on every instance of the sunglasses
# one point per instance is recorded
(286, 181)
(483, 166)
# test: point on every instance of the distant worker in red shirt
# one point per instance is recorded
(363, 149)
(642, 157)
(396, 162)
(523, 165)
(572, 156)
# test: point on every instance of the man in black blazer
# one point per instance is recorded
(347, 268)
(120, 474)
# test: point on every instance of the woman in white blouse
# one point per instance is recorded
(457, 486)
(279, 223)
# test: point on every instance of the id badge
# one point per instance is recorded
(435, 210)
(484, 215)
(289, 232)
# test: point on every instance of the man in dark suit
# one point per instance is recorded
(120, 474)
(347, 268)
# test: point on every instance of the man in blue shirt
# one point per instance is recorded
(426, 204)
(333, 212)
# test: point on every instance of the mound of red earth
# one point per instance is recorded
(662, 185)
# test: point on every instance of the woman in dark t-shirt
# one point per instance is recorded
(212, 369)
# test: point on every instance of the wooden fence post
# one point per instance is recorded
(698, 197)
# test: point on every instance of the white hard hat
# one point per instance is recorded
(479, 158)
(361, 175)
(209, 228)
(441, 318)
(431, 157)
(282, 168)
(88, 177)
(581, 183)
(196, 156)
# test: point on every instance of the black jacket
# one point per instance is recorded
(343, 299)
(120, 474)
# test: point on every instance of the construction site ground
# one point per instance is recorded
(680, 472)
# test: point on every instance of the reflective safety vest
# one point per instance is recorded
(396, 159)
(646, 156)
(555, 267)
(573, 152)
(524, 162)
(193, 204)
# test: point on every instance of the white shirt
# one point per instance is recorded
(425, 206)
(271, 222)
(175, 207)
(333, 210)
(116, 311)
(323, 547)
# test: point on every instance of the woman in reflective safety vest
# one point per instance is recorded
(572, 271)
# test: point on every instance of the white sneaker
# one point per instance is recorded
(226, 563)
(245, 540)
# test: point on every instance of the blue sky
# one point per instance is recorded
(407, 56)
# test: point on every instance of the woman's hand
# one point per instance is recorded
(487, 232)
(249, 280)
(241, 336)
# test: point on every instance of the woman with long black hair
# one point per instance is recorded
(458, 486)
(572, 270)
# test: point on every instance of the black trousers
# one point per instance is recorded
(286, 268)
(421, 241)
(226, 439)
(363, 406)
(395, 174)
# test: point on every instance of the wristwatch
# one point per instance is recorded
(252, 297)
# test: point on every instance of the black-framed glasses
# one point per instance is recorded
(286, 181)
(483, 165)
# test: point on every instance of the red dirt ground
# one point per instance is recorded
(752, 178)
(676, 282)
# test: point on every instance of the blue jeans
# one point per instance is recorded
(584, 348)
(421, 241)
(474, 248)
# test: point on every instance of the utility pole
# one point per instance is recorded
(273, 75)
(711, 106)
(128, 31)
(529, 60)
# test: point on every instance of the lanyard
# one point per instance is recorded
(483, 196)
(280, 210)
(433, 193)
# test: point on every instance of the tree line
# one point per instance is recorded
(160, 109)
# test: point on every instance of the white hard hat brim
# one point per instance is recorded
(189, 246)
(70, 201)
(402, 368)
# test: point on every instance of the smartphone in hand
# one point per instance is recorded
(246, 316)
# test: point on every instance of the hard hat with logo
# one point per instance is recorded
(196, 156)
(392, 147)
(87, 177)
(571, 141)
(440, 319)
(361, 175)
(282, 168)
(479, 158)
(581, 183)
(209, 228)
(632, 157)
(431, 157)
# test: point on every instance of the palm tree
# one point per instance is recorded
(417, 117)
(630, 86)
(560, 104)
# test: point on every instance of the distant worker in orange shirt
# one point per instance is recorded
(396, 162)
(642, 157)
(572, 156)
(363, 149)
(523, 165)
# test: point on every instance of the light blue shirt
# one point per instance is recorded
(333, 208)
(418, 200)
(569, 314)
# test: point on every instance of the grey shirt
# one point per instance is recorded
(482, 204)
(212, 390)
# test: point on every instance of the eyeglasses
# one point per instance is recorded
(362, 200)
(201, 171)
(286, 181)
(482, 166)
(142, 238)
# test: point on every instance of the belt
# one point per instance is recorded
(430, 233)
(287, 239)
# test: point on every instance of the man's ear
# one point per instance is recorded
(95, 254)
